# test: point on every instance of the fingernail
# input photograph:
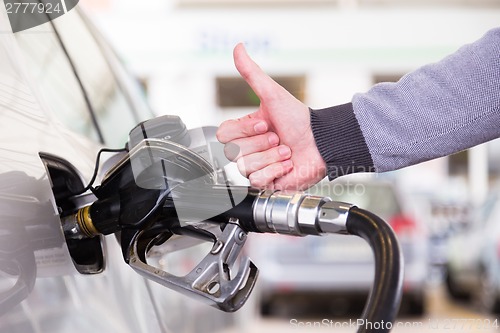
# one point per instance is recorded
(231, 150)
(260, 127)
(284, 151)
(273, 139)
(287, 164)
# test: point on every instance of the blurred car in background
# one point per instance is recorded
(473, 267)
(446, 218)
(63, 96)
(338, 270)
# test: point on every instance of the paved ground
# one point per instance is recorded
(443, 315)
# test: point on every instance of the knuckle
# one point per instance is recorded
(262, 177)
(221, 135)
(218, 135)
(240, 163)
(225, 131)
(256, 181)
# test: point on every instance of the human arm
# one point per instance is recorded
(434, 111)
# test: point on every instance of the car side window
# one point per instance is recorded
(114, 114)
(53, 75)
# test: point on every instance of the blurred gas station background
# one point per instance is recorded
(324, 51)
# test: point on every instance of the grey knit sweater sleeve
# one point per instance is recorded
(436, 110)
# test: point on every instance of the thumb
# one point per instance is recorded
(259, 81)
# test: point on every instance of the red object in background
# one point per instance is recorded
(402, 224)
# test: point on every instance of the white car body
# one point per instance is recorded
(473, 267)
(40, 288)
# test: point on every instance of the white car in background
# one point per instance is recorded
(63, 96)
(473, 268)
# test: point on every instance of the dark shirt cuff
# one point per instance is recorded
(340, 141)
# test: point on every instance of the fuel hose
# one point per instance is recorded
(384, 299)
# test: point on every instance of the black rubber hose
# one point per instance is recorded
(385, 296)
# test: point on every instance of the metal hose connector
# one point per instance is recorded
(298, 213)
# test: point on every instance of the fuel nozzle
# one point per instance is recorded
(163, 189)
(135, 201)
